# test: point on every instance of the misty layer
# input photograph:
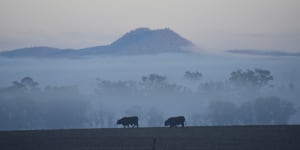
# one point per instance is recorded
(246, 97)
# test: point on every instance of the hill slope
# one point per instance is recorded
(37, 52)
(138, 41)
(191, 138)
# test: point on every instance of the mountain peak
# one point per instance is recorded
(145, 40)
(144, 30)
(139, 30)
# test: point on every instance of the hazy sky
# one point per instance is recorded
(211, 24)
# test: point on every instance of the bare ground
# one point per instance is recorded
(279, 137)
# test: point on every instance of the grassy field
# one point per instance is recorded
(189, 138)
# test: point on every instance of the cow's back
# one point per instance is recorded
(130, 120)
(174, 121)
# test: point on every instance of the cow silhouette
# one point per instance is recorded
(129, 121)
(174, 121)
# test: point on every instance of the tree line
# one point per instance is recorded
(26, 105)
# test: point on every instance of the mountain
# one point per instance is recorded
(263, 52)
(143, 41)
(135, 42)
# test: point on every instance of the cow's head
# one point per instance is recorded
(119, 121)
(167, 122)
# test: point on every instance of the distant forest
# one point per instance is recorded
(245, 98)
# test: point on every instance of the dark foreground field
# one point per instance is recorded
(190, 138)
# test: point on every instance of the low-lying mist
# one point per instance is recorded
(95, 92)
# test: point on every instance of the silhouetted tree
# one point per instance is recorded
(63, 107)
(211, 86)
(112, 87)
(23, 107)
(222, 113)
(154, 117)
(247, 113)
(256, 77)
(100, 117)
(193, 76)
(267, 110)
(18, 107)
(154, 78)
(158, 83)
(17, 111)
(26, 83)
(197, 119)
(135, 110)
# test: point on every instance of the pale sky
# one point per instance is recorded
(213, 25)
